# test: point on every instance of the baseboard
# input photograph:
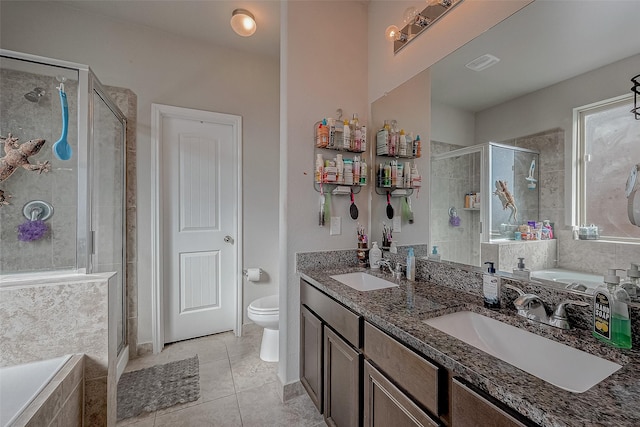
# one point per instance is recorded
(289, 391)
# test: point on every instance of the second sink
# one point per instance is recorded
(563, 366)
(362, 281)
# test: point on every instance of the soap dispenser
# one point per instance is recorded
(491, 288)
(632, 282)
(375, 255)
(434, 255)
(521, 272)
(611, 323)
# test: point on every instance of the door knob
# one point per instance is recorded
(228, 239)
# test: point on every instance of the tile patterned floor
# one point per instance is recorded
(236, 387)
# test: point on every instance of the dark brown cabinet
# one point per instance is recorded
(386, 405)
(342, 366)
(470, 408)
(311, 340)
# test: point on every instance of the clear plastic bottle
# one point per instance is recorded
(632, 282)
(411, 265)
(319, 168)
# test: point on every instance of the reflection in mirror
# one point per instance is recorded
(552, 60)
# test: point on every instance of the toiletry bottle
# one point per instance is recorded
(322, 134)
(319, 168)
(632, 282)
(363, 173)
(521, 271)
(356, 170)
(434, 255)
(611, 323)
(411, 265)
(491, 288)
(375, 255)
(346, 133)
(418, 147)
(402, 152)
(363, 138)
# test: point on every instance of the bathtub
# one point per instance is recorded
(21, 384)
(577, 280)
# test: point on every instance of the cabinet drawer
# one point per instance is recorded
(340, 318)
(471, 409)
(385, 405)
(411, 372)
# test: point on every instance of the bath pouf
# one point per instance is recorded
(32, 230)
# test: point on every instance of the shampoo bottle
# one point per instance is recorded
(411, 265)
(611, 323)
(375, 255)
(491, 288)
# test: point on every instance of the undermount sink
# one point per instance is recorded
(556, 363)
(363, 282)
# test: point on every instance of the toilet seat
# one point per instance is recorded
(265, 305)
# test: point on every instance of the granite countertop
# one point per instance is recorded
(400, 311)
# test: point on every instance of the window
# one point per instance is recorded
(607, 146)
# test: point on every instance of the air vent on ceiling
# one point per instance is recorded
(482, 62)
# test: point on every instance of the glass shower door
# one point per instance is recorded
(108, 199)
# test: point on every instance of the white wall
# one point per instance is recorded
(453, 125)
(409, 104)
(467, 21)
(166, 69)
(324, 59)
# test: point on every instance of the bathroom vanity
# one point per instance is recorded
(368, 358)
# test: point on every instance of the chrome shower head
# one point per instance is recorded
(35, 95)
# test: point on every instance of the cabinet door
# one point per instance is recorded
(385, 405)
(470, 409)
(341, 382)
(311, 355)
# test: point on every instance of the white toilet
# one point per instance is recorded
(266, 313)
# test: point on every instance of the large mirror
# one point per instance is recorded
(553, 56)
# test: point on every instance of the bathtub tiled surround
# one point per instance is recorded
(537, 254)
(42, 319)
(60, 402)
(442, 288)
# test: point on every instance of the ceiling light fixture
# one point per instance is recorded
(243, 22)
(416, 22)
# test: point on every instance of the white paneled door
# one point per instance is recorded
(199, 209)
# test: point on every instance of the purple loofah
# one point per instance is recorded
(32, 230)
(454, 221)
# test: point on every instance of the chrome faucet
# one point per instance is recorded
(386, 263)
(531, 307)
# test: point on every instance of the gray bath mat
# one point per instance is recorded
(158, 387)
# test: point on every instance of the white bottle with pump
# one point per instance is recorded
(375, 255)
(611, 322)
(491, 288)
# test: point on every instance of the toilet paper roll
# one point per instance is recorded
(253, 274)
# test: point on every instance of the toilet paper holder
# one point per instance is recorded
(252, 274)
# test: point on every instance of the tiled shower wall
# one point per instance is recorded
(29, 120)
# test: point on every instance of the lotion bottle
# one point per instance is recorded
(611, 323)
(375, 255)
(491, 288)
(411, 265)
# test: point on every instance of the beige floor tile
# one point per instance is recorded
(146, 419)
(261, 406)
(249, 371)
(222, 412)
